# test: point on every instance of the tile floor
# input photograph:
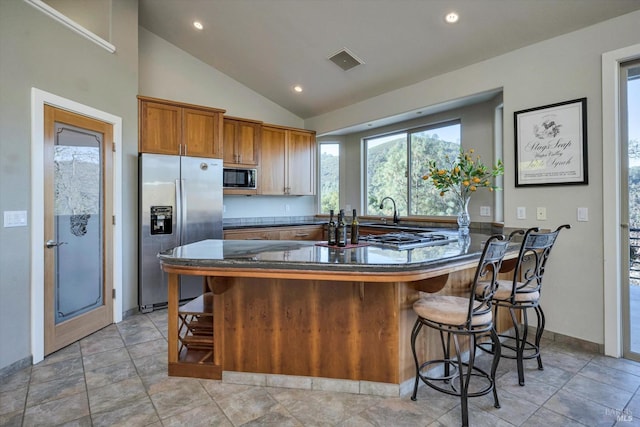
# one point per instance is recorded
(117, 376)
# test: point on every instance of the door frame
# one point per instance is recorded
(38, 99)
(611, 197)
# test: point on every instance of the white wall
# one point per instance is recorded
(564, 68)
(36, 51)
(170, 73)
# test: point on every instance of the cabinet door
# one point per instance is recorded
(248, 143)
(272, 163)
(160, 128)
(301, 166)
(202, 133)
(229, 144)
(241, 142)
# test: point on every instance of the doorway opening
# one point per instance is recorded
(39, 99)
(630, 138)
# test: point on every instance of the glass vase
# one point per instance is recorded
(464, 220)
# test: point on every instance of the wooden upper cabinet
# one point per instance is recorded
(167, 127)
(241, 142)
(288, 162)
(271, 180)
(202, 133)
(301, 163)
(160, 128)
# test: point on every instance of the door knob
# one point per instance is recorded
(51, 244)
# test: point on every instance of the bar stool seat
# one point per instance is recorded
(467, 317)
(449, 310)
(503, 293)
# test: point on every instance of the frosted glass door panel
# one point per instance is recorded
(78, 222)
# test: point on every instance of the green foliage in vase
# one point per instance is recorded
(463, 175)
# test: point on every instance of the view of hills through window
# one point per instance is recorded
(395, 167)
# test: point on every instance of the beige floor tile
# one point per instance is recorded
(15, 380)
(138, 351)
(58, 411)
(110, 374)
(206, 415)
(55, 389)
(139, 412)
(13, 400)
(64, 368)
(247, 405)
(115, 395)
(114, 356)
(181, 398)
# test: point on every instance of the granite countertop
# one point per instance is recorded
(309, 255)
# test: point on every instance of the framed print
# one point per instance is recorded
(551, 144)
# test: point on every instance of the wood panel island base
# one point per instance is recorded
(281, 308)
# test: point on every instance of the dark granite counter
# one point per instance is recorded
(308, 255)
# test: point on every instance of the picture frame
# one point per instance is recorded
(551, 144)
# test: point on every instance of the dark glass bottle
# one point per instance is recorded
(331, 230)
(341, 230)
(355, 229)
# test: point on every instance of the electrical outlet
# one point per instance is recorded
(287, 208)
(224, 208)
(485, 210)
(521, 212)
(347, 208)
(541, 214)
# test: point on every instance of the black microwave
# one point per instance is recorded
(239, 178)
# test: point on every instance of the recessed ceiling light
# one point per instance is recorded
(198, 25)
(297, 88)
(451, 17)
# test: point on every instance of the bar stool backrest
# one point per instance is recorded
(487, 272)
(532, 260)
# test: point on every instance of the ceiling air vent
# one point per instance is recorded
(345, 59)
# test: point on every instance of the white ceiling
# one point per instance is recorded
(271, 45)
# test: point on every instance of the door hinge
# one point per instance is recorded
(113, 293)
(113, 220)
(113, 147)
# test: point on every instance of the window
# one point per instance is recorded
(395, 166)
(329, 177)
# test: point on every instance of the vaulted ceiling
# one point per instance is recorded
(272, 45)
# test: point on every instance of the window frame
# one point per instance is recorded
(408, 137)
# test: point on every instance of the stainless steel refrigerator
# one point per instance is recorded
(180, 202)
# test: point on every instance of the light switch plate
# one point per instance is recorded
(521, 212)
(485, 210)
(583, 214)
(15, 219)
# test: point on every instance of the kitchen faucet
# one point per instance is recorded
(395, 211)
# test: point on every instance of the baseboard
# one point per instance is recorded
(16, 366)
(572, 341)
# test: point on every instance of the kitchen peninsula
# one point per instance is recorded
(299, 308)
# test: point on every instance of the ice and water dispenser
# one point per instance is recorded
(161, 217)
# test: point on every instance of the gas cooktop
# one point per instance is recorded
(409, 240)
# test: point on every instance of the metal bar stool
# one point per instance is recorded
(522, 293)
(461, 316)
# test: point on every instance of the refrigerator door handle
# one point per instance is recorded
(179, 208)
(183, 214)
